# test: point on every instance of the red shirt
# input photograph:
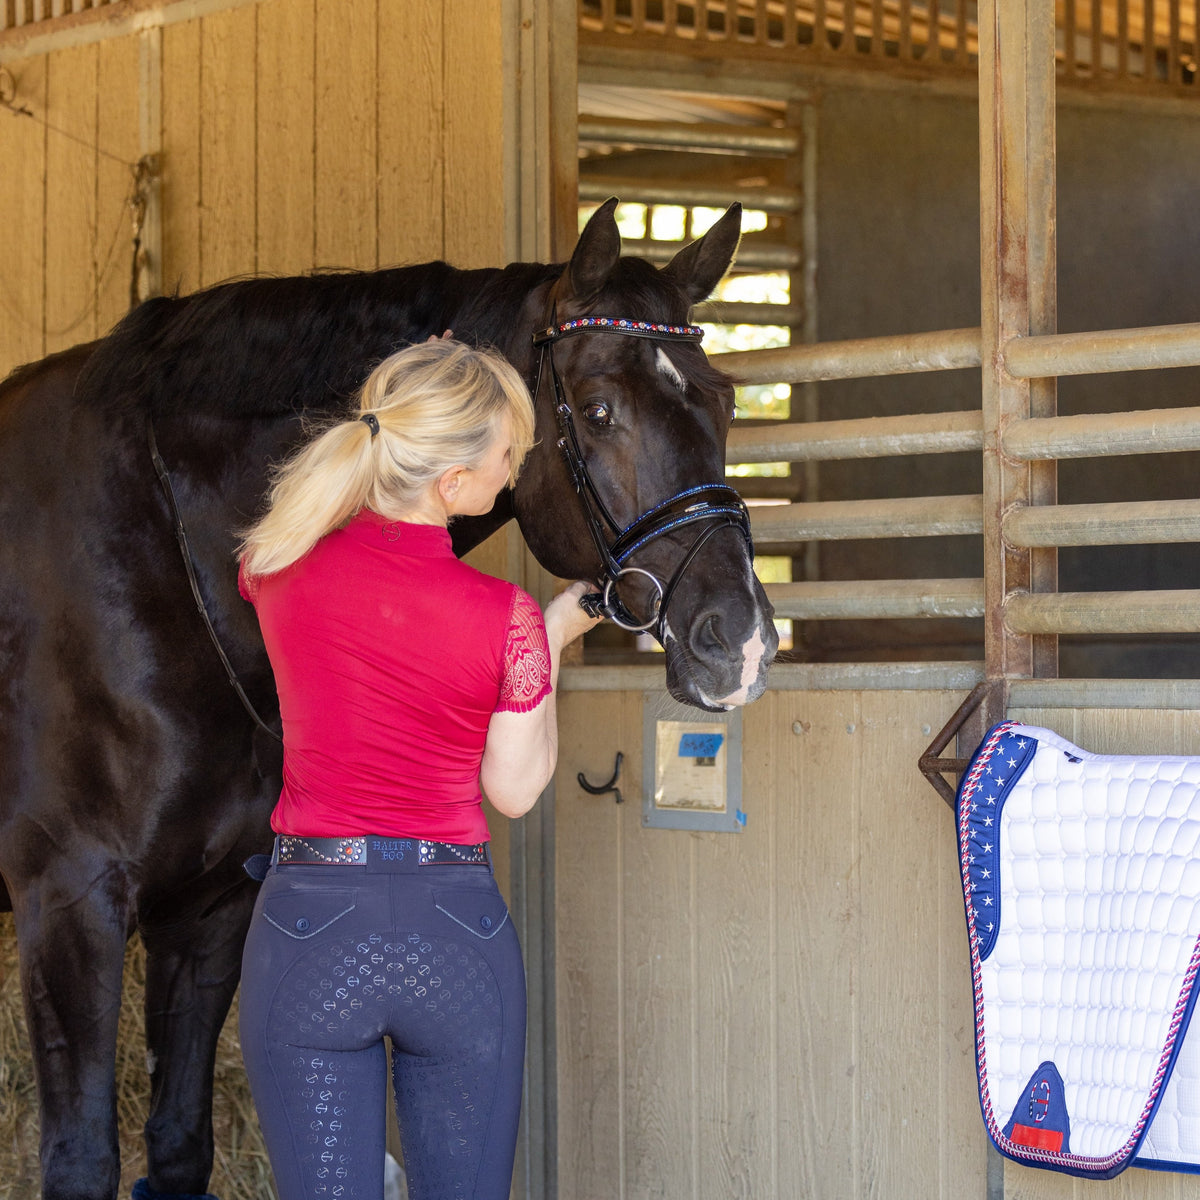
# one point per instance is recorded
(390, 656)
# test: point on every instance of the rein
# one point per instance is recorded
(160, 469)
(711, 502)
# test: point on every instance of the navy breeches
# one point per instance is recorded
(340, 957)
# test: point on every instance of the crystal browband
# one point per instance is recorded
(647, 329)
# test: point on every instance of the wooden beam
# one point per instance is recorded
(1017, 255)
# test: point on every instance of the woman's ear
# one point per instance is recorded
(448, 484)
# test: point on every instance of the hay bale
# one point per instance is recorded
(240, 1169)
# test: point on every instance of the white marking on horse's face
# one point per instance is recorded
(752, 656)
(669, 369)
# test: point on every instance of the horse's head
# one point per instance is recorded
(631, 424)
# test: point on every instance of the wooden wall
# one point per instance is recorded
(294, 134)
(786, 1012)
(782, 1012)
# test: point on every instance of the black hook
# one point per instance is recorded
(604, 788)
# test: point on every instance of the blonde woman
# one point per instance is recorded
(406, 680)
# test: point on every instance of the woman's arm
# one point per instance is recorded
(522, 747)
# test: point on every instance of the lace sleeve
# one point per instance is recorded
(526, 657)
(247, 585)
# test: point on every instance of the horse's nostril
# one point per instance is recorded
(708, 636)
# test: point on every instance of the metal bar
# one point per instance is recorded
(849, 27)
(1069, 39)
(877, 27)
(1122, 39)
(1088, 435)
(867, 437)
(788, 488)
(1143, 349)
(762, 18)
(1104, 612)
(1017, 259)
(843, 520)
(906, 41)
(597, 189)
(933, 44)
(739, 312)
(766, 256)
(795, 677)
(1104, 693)
(1124, 523)
(677, 136)
(903, 354)
(1097, 47)
(1149, 54)
(1174, 74)
(877, 599)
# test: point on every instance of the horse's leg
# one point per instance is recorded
(193, 961)
(72, 950)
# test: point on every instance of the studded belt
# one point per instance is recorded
(377, 851)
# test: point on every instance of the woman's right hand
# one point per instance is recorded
(565, 620)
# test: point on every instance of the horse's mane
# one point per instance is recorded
(275, 346)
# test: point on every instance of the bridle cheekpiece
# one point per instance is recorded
(716, 503)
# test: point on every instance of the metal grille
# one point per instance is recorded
(17, 13)
(1098, 41)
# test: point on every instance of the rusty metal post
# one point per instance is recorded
(1018, 264)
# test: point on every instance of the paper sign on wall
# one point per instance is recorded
(690, 766)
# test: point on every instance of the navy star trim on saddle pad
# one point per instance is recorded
(993, 771)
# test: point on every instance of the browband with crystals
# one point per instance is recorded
(646, 329)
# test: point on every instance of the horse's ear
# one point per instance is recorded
(595, 255)
(698, 268)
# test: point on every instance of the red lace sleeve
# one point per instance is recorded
(526, 657)
(247, 585)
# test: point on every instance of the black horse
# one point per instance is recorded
(133, 783)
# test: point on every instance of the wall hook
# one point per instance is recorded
(604, 788)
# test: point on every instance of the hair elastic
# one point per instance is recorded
(372, 422)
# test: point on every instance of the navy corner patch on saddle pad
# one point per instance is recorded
(1081, 887)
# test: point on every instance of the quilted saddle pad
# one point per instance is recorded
(1081, 883)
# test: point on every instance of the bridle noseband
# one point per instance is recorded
(716, 503)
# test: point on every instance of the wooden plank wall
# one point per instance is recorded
(295, 134)
(783, 1012)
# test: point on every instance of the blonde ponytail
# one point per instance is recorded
(433, 406)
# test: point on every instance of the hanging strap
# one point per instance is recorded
(160, 469)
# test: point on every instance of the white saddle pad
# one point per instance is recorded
(1081, 882)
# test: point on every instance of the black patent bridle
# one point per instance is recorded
(715, 503)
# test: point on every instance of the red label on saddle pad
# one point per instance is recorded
(1037, 1139)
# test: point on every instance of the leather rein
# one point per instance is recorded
(716, 504)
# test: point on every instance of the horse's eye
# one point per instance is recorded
(598, 414)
